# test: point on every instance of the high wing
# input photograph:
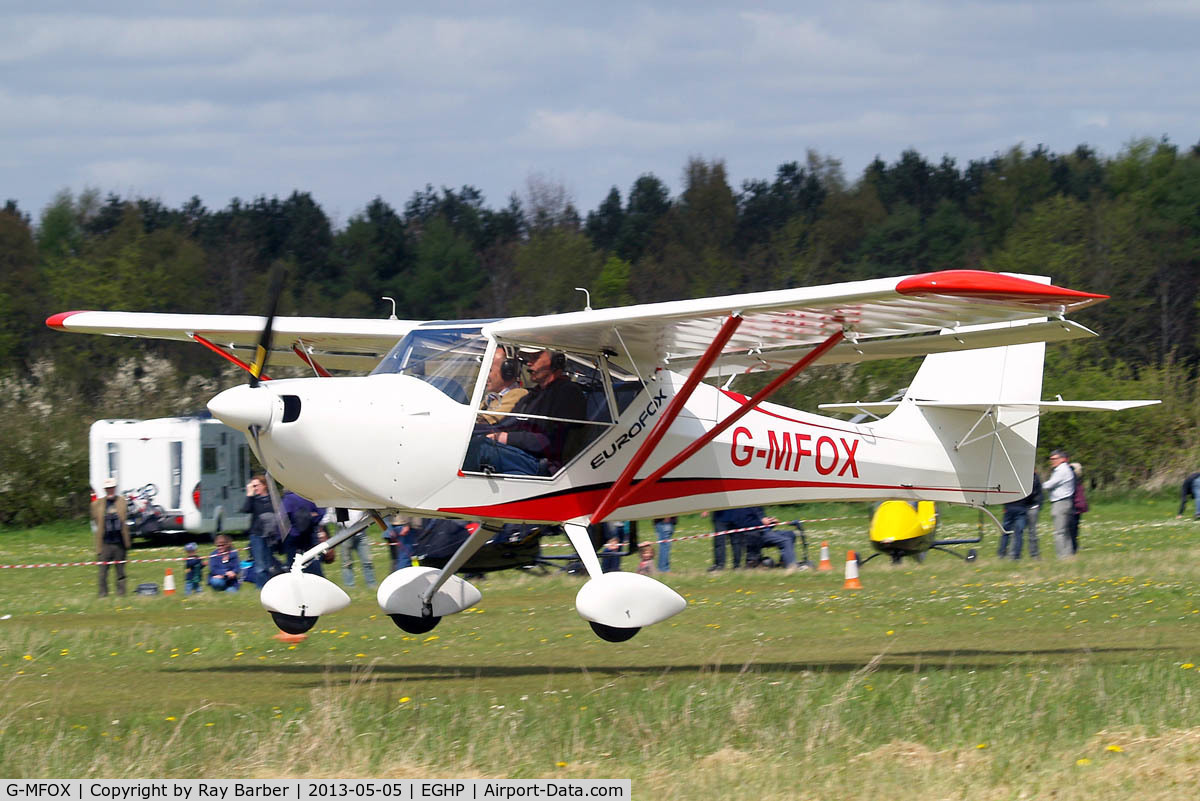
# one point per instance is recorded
(351, 344)
(882, 318)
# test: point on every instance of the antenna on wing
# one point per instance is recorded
(393, 300)
(587, 303)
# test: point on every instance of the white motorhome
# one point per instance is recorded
(199, 467)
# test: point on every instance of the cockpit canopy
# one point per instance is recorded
(446, 358)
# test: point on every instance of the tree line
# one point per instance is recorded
(1127, 225)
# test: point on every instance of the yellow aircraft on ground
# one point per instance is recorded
(899, 530)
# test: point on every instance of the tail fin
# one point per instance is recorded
(981, 406)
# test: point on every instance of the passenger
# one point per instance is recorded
(503, 387)
(533, 446)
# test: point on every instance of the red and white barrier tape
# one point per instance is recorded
(705, 536)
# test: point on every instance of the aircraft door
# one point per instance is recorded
(541, 409)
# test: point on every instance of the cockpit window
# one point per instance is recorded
(447, 358)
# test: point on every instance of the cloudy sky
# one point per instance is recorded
(361, 98)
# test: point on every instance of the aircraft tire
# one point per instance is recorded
(415, 624)
(613, 633)
(972, 555)
(293, 624)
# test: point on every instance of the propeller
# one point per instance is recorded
(274, 292)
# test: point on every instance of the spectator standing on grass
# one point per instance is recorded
(264, 530)
(1079, 505)
(1190, 489)
(193, 569)
(303, 518)
(1060, 491)
(664, 532)
(1016, 519)
(359, 544)
(112, 534)
(400, 536)
(1031, 520)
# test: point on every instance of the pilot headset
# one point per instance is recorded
(510, 368)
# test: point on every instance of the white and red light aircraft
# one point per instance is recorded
(646, 437)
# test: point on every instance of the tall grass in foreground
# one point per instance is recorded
(1072, 731)
(1071, 680)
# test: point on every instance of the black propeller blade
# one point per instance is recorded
(264, 341)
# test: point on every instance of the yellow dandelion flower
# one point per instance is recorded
(560, 764)
(169, 717)
(360, 656)
(1083, 761)
(28, 657)
(404, 700)
(1187, 666)
(1116, 749)
(981, 746)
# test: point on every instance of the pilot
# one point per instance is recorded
(503, 387)
(533, 446)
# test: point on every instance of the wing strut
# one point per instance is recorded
(309, 360)
(629, 497)
(224, 354)
(674, 407)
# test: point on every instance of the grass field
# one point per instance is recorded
(991, 680)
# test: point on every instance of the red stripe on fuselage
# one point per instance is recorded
(573, 504)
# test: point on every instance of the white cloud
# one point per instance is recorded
(244, 99)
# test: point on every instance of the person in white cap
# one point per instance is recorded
(112, 534)
(1059, 489)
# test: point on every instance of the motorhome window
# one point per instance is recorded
(114, 459)
(176, 497)
(448, 359)
(208, 459)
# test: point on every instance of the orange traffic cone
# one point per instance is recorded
(852, 582)
(283, 636)
(169, 583)
(825, 565)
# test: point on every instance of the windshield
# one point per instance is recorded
(446, 358)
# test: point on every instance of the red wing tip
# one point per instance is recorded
(983, 284)
(57, 321)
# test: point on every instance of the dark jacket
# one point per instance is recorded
(546, 438)
(219, 563)
(748, 517)
(1034, 498)
(257, 505)
(303, 516)
(1185, 492)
